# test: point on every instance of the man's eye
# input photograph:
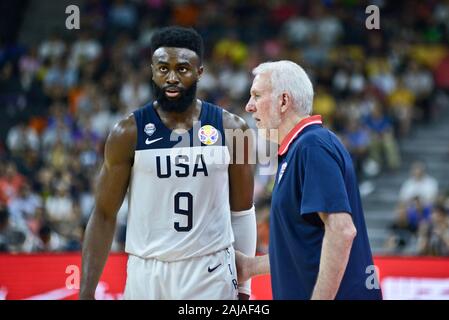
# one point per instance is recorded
(182, 69)
(163, 69)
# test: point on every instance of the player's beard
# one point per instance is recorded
(180, 104)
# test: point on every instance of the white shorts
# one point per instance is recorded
(211, 277)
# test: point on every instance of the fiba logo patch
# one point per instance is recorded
(281, 172)
(149, 129)
(208, 134)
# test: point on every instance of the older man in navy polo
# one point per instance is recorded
(319, 246)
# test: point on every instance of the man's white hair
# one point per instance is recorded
(287, 76)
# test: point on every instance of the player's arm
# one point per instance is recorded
(337, 242)
(111, 188)
(241, 189)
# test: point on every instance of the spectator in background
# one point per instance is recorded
(52, 48)
(234, 81)
(25, 208)
(10, 84)
(123, 14)
(419, 81)
(85, 49)
(134, 92)
(400, 231)
(324, 104)
(357, 140)
(11, 238)
(60, 74)
(94, 14)
(314, 54)
(328, 27)
(186, 13)
(230, 50)
(44, 181)
(29, 163)
(58, 156)
(356, 81)
(417, 213)
(59, 129)
(208, 86)
(298, 29)
(124, 50)
(381, 75)
(441, 73)
(383, 143)
(146, 32)
(434, 234)
(408, 220)
(10, 183)
(22, 137)
(47, 241)
(401, 103)
(60, 211)
(83, 131)
(101, 120)
(87, 94)
(29, 65)
(420, 185)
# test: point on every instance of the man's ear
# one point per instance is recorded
(152, 72)
(285, 101)
(200, 71)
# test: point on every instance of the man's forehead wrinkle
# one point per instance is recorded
(187, 55)
(183, 55)
(159, 53)
(258, 85)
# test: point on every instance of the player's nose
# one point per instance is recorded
(172, 78)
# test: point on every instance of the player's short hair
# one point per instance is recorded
(287, 76)
(178, 37)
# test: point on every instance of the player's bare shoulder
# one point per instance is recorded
(233, 121)
(122, 140)
(239, 138)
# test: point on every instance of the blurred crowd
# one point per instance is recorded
(421, 224)
(60, 98)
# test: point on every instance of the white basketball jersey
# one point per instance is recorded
(179, 189)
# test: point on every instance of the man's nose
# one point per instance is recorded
(250, 106)
(172, 78)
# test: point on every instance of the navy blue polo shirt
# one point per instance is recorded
(315, 174)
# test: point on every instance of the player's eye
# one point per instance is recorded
(163, 69)
(182, 69)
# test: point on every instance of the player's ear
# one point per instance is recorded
(152, 71)
(200, 71)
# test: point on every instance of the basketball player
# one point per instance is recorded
(188, 199)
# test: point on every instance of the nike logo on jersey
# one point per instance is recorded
(212, 269)
(148, 141)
